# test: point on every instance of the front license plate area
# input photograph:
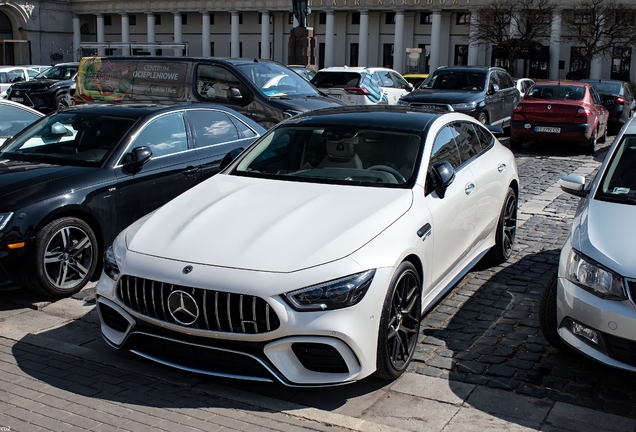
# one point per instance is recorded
(17, 99)
(547, 129)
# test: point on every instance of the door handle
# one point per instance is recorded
(190, 171)
(469, 188)
(425, 231)
(501, 167)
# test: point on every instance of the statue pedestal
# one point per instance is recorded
(302, 47)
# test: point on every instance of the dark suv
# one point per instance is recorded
(617, 98)
(485, 93)
(46, 91)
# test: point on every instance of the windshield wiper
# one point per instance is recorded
(620, 199)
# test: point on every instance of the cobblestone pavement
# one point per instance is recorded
(487, 331)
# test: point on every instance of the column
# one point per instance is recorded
(398, 42)
(555, 43)
(235, 49)
(436, 40)
(473, 47)
(596, 67)
(363, 39)
(265, 35)
(178, 38)
(329, 39)
(101, 50)
(125, 34)
(77, 38)
(151, 32)
(206, 46)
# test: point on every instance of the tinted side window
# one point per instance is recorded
(595, 97)
(211, 127)
(445, 148)
(244, 130)
(468, 142)
(164, 135)
(504, 80)
(214, 82)
(400, 82)
(485, 137)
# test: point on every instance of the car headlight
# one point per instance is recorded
(4, 219)
(335, 294)
(593, 277)
(110, 264)
(403, 102)
(468, 106)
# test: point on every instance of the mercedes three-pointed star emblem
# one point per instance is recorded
(183, 307)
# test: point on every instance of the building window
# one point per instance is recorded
(389, 18)
(355, 18)
(426, 18)
(211, 19)
(463, 18)
(211, 48)
(184, 19)
(158, 19)
(582, 18)
(387, 58)
(322, 18)
(461, 55)
(108, 20)
(290, 19)
(578, 64)
(424, 67)
(321, 54)
(132, 20)
(621, 60)
(353, 54)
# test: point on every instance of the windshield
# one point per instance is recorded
(342, 155)
(58, 72)
(14, 119)
(275, 80)
(619, 181)
(607, 87)
(79, 139)
(455, 80)
(556, 91)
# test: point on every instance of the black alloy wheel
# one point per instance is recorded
(506, 230)
(483, 118)
(548, 317)
(400, 323)
(65, 257)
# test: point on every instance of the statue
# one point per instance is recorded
(301, 10)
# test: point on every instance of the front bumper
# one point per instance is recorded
(39, 100)
(569, 132)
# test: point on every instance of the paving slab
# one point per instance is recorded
(509, 405)
(581, 419)
(471, 420)
(433, 388)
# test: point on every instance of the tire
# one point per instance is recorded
(603, 139)
(399, 323)
(548, 317)
(65, 258)
(60, 104)
(483, 118)
(506, 230)
(589, 146)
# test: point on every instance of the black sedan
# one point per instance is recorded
(73, 180)
(617, 98)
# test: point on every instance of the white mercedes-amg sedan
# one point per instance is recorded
(312, 257)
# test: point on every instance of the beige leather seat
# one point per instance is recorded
(341, 154)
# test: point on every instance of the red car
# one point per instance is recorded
(562, 111)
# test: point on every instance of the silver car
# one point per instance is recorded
(592, 306)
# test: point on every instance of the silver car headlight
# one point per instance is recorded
(4, 219)
(593, 277)
(335, 294)
(468, 106)
(111, 268)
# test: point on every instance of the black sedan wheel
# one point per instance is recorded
(65, 257)
(400, 323)
(506, 230)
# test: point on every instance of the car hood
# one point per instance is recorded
(308, 103)
(37, 83)
(267, 225)
(604, 233)
(442, 96)
(22, 182)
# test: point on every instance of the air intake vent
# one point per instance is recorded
(112, 318)
(319, 357)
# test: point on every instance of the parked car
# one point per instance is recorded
(313, 257)
(265, 91)
(560, 111)
(523, 85)
(14, 117)
(70, 182)
(303, 71)
(486, 93)
(618, 99)
(13, 74)
(362, 86)
(46, 91)
(590, 308)
(39, 68)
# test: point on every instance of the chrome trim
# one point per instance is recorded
(143, 290)
(136, 294)
(229, 315)
(241, 312)
(254, 314)
(216, 310)
(163, 305)
(205, 309)
(154, 305)
(267, 315)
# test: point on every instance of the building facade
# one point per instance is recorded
(407, 35)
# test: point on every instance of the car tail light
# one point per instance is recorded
(356, 91)
(582, 115)
(518, 113)
(619, 100)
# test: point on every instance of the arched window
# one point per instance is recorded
(6, 29)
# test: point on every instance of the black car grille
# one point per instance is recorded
(112, 318)
(215, 310)
(26, 98)
(439, 106)
(196, 357)
(623, 350)
(319, 357)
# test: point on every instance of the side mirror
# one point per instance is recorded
(228, 158)
(495, 130)
(444, 174)
(573, 184)
(410, 88)
(234, 94)
(137, 158)
(58, 129)
(493, 88)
